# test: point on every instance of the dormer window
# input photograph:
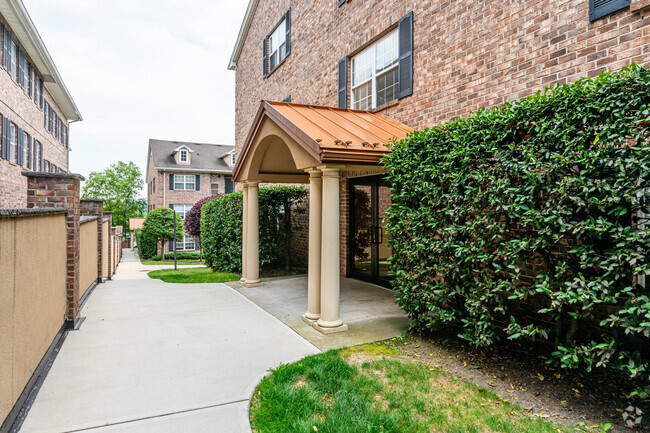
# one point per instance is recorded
(232, 159)
(183, 155)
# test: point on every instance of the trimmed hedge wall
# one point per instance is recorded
(146, 245)
(221, 228)
(538, 202)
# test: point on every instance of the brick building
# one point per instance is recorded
(180, 173)
(35, 106)
(417, 63)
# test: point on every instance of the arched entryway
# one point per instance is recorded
(293, 143)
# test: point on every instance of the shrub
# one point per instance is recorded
(146, 245)
(180, 255)
(221, 228)
(192, 221)
(538, 202)
(159, 225)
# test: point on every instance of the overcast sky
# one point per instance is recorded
(141, 69)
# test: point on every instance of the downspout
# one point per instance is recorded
(164, 189)
(70, 122)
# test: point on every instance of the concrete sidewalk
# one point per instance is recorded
(159, 357)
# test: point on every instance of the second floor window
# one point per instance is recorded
(184, 182)
(374, 74)
(277, 45)
(181, 209)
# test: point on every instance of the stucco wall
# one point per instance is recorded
(106, 239)
(87, 256)
(32, 297)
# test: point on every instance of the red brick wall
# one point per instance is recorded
(467, 54)
(23, 111)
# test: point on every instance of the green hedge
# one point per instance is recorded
(537, 203)
(146, 245)
(180, 255)
(221, 228)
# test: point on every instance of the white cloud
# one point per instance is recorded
(142, 69)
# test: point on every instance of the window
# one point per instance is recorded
(187, 243)
(232, 158)
(375, 79)
(23, 139)
(277, 45)
(184, 182)
(229, 186)
(181, 209)
(214, 188)
(154, 184)
(183, 155)
(12, 142)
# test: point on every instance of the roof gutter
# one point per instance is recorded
(202, 170)
(243, 32)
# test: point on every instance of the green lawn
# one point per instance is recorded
(193, 275)
(171, 262)
(359, 390)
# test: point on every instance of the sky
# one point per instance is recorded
(140, 69)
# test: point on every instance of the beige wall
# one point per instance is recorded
(106, 238)
(32, 297)
(87, 256)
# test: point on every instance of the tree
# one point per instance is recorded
(119, 186)
(193, 216)
(159, 225)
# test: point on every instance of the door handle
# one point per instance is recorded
(381, 230)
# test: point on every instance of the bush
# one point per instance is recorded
(192, 220)
(146, 245)
(538, 202)
(159, 225)
(180, 255)
(221, 228)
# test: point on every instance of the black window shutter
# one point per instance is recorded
(171, 182)
(19, 147)
(21, 56)
(600, 8)
(40, 156)
(171, 206)
(405, 56)
(287, 26)
(5, 137)
(341, 2)
(171, 245)
(343, 83)
(265, 68)
(197, 183)
(6, 63)
(287, 99)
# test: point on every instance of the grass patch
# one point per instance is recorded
(326, 393)
(193, 275)
(171, 262)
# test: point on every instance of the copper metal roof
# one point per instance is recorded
(331, 134)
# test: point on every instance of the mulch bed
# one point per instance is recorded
(519, 372)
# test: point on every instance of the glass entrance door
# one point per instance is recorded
(369, 252)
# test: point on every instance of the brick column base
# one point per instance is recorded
(62, 190)
(96, 208)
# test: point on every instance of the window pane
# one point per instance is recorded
(362, 97)
(362, 67)
(277, 45)
(387, 86)
(387, 52)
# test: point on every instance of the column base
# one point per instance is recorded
(252, 283)
(330, 330)
(310, 319)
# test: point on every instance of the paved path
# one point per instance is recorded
(159, 357)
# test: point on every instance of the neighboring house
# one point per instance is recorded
(35, 106)
(405, 64)
(180, 173)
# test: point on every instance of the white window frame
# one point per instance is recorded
(214, 188)
(184, 182)
(373, 78)
(25, 139)
(13, 142)
(13, 53)
(232, 159)
(183, 155)
(185, 209)
(182, 246)
(279, 32)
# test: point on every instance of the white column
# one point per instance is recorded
(253, 237)
(330, 320)
(314, 271)
(244, 245)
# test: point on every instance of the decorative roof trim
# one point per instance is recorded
(182, 146)
(25, 31)
(243, 33)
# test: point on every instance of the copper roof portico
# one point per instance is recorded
(314, 136)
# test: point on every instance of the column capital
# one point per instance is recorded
(314, 172)
(331, 170)
(253, 183)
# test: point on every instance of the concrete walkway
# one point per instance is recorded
(159, 357)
